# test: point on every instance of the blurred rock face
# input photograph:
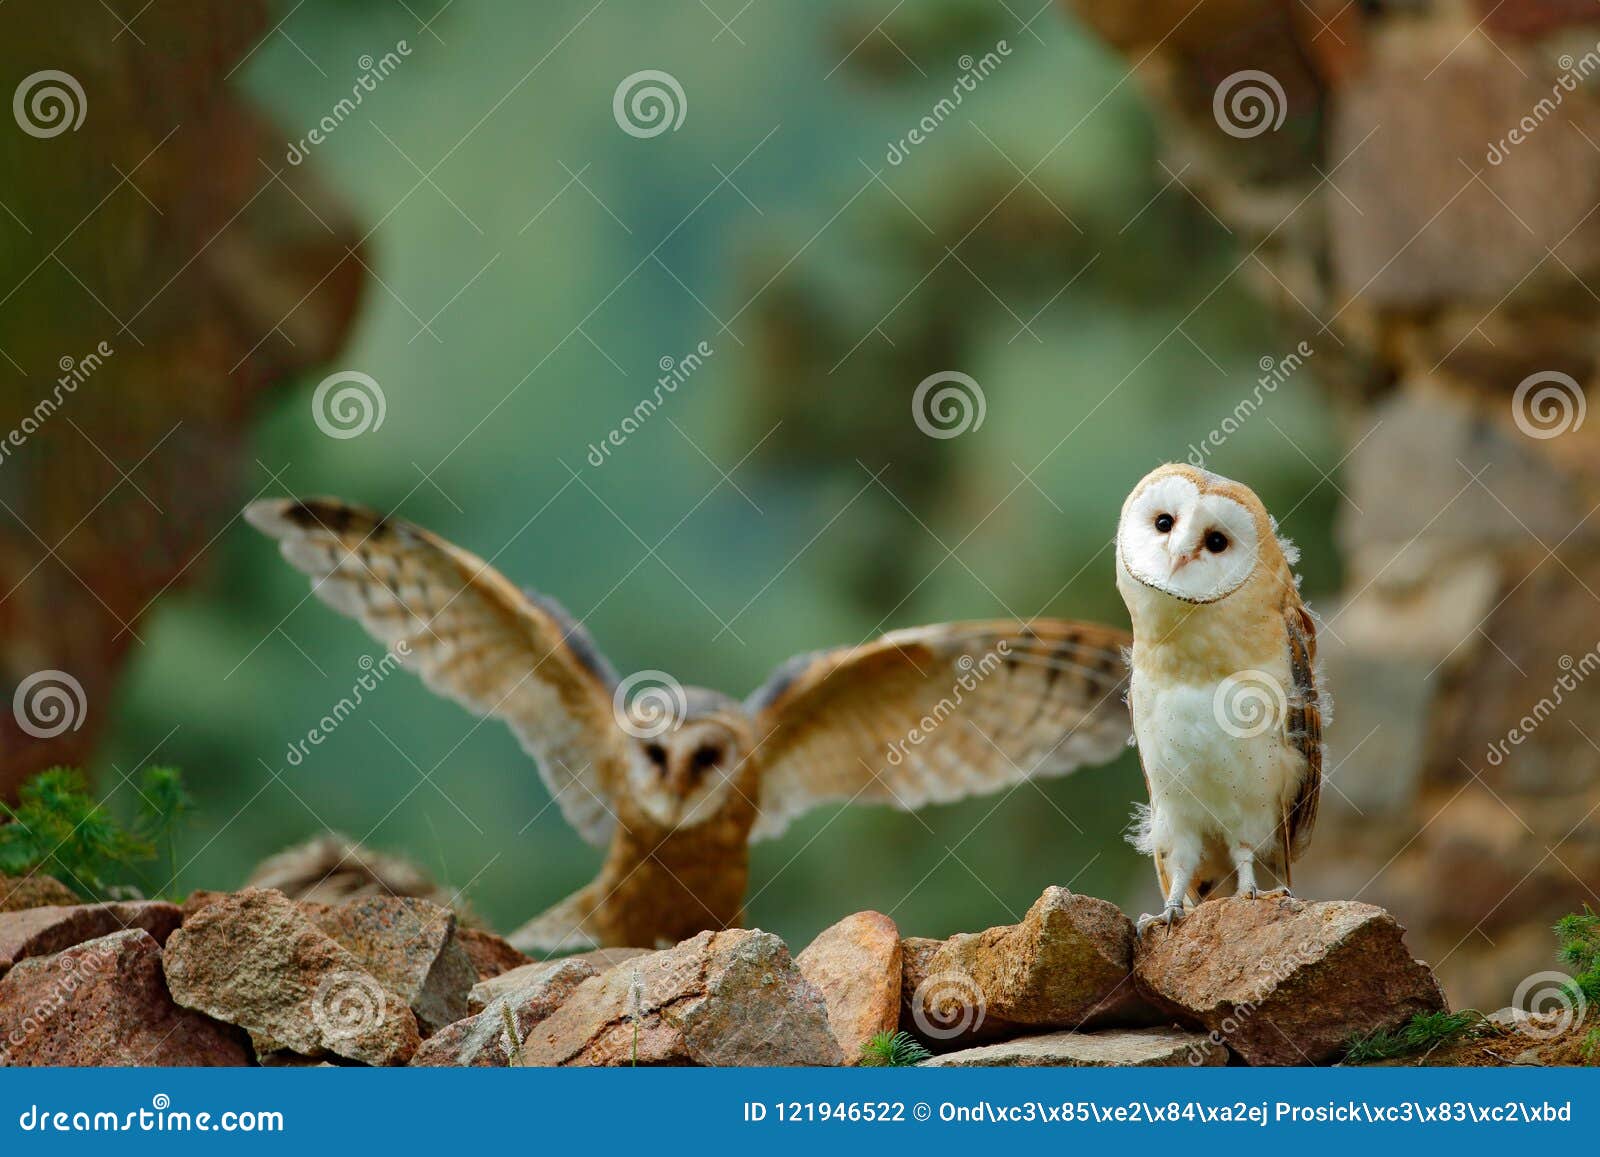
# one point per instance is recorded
(160, 278)
(1419, 201)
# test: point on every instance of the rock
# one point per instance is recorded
(594, 963)
(1067, 965)
(35, 891)
(42, 931)
(332, 868)
(489, 954)
(942, 1009)
(256, 960)
(856, 965)
(1519, 203)
(105, 1002)
(481, 1041)
(719, 998)
(199, 899)
(1108, 1048)
(1283, 981)
(410, 947)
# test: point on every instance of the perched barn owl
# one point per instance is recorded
(676, 781)
(1223, 687)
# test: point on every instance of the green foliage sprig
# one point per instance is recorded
(58, 829)
(1422, 1032)
(892, 1050)
(1579, 939)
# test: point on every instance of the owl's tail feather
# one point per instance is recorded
(562, 928)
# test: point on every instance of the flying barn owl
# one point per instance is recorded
(674, 781)
(1226, 712)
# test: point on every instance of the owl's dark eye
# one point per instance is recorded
(1165, 522)
(657, 754)
(705, 756)
(1216, 541)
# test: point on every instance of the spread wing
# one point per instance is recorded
(1303, 726)
(937, 713)
(472, 636)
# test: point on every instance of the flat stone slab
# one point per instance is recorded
(1109, 1048)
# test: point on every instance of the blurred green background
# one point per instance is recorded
(533, 264)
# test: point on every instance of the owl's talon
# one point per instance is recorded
(1169, 916)
(1277, 893)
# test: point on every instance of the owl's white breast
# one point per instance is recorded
(1210, 784)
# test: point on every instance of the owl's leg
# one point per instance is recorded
(1244, 863)
(1180, 866)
